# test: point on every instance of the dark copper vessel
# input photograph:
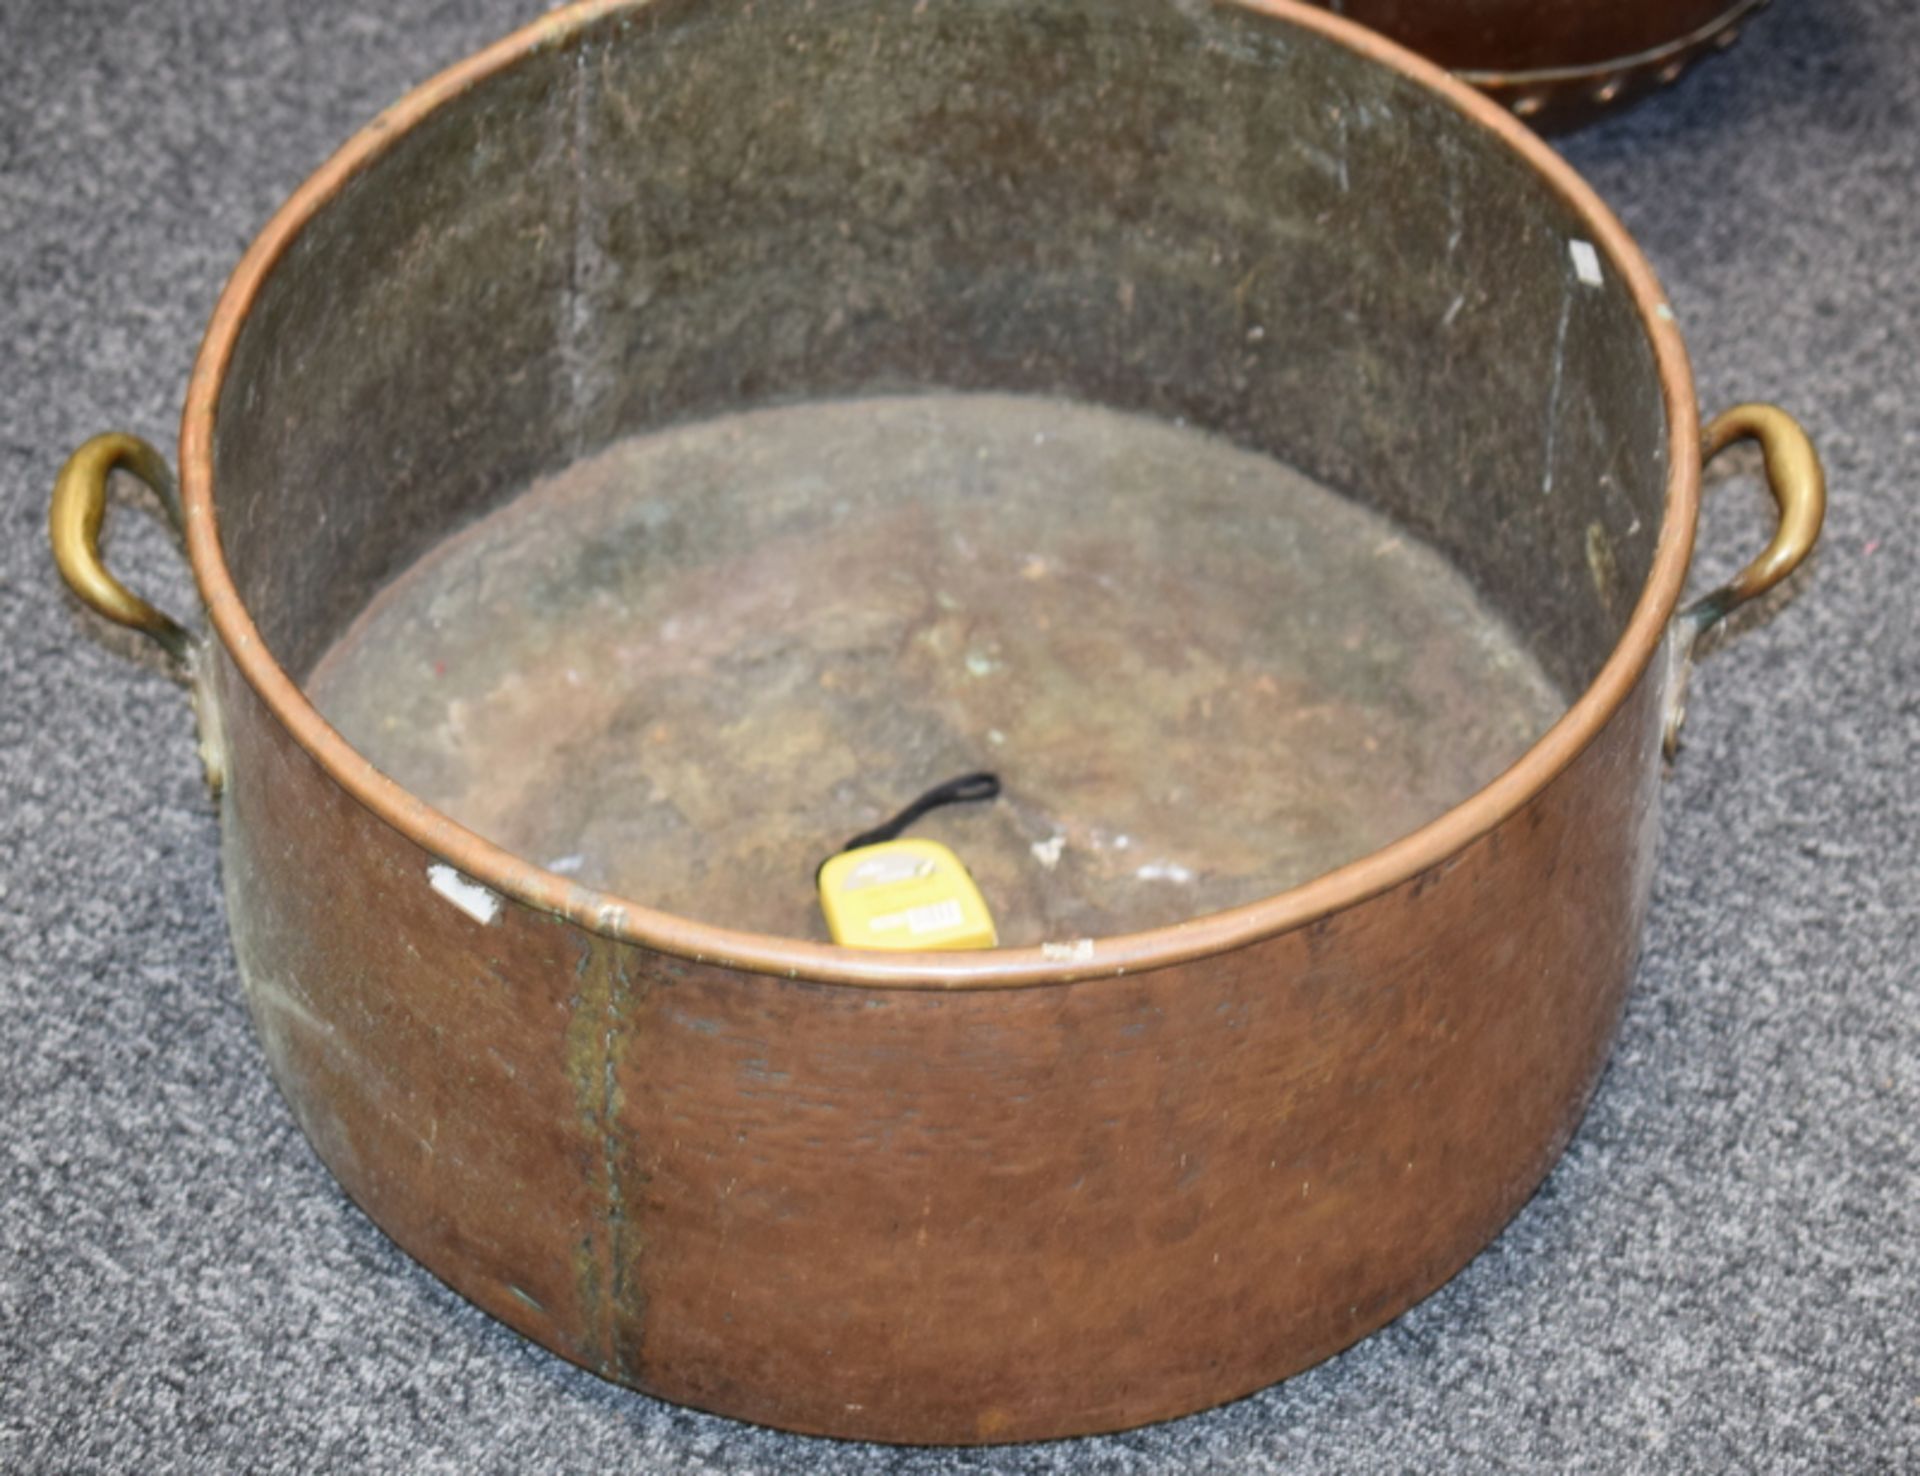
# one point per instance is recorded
(1559, 63)
(993, 1196)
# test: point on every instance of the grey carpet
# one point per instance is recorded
(1719, 1276)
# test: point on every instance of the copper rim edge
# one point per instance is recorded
(631, 922)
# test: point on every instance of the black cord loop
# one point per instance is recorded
(967, 789)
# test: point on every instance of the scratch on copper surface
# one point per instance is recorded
(1553, 391)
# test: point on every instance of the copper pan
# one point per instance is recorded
(1031, 1191)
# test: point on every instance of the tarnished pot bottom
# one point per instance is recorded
(1026, 1192)
(686, 668)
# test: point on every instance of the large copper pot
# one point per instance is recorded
(993, 1196)
(1560, 63)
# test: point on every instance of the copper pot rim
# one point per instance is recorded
(1063, 962)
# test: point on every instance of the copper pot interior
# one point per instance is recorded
(1213, 430)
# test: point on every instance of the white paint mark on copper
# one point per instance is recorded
(1586, 262)
(478, 902)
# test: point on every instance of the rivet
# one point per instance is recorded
(1530, 105)
(1608, 90)
(1727, 37)
(1670, 73)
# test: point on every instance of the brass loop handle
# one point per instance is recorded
(79, 508)
(1799, 487)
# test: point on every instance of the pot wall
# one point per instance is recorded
(962, 1216)
(692, 207)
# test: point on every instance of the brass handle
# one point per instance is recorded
(1799, 488)
(79, 508)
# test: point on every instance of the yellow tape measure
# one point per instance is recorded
(904, 894)
(884, 892)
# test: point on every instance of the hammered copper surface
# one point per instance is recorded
(940, 1216)
(1019, 1193)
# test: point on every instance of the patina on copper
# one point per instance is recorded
(1004, 1195)
(688, 666)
